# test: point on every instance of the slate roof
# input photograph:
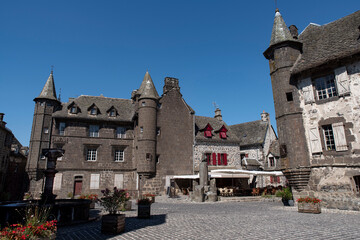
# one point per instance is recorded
(280, 32)
(124, 107)
(201, 122)
(274, 148)
(48, 92)
(322, 44)
(251, 162)
(147, 88)
(250, 133)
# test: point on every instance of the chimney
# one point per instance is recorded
(171, 83)
(294, 31)
(218, 115)
(2, 123)
(265, 116)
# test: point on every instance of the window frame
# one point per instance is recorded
(119, 155)
(94, 130)
(329, 139)
(91, 154)
(325, 87)
(62, 127)
(120, 134)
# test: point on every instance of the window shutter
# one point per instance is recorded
(119, 181)
(315, 140)
(278, 179)
(214, 158)
(271, 179)
(342, 81)
(219, 159)
(94, 181)
(225, 159)
(208, 158)
(339, 137)
(308, 91)
(57, 181)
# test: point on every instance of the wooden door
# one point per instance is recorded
(77, 187)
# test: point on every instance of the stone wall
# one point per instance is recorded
(232, 150)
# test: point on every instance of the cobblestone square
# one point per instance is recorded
(179, 219)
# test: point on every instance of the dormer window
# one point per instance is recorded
(73, 110)
(112, 113)
(93, 111)
(222, 132)
(207, 131)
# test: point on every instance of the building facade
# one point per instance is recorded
(315, 78)
(13, 178)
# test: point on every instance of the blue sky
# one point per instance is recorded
(98, 47)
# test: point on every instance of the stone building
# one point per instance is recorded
(13, 179)
(315, 78)
(258, 149)
(128, 143)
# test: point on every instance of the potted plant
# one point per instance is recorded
(92, 197)
(309, 205)
(144, 207)
(36, 226)
(113, 222)
(286, 196)
(150, 197)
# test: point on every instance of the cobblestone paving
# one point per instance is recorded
(173, 219)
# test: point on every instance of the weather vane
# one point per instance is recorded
(215, 105)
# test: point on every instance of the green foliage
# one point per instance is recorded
(113, 201)
(284, 194)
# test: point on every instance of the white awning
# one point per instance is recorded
(255, 173)
(185, 176)
(227, 175)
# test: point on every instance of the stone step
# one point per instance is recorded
(241, 199)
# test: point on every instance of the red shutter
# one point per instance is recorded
(208, 158)
(219, 159)
(278, 179)
(207, 134)
(223, 135)
(225, 159)
(214, 159)
(271, 179)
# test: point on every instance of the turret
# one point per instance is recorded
(45, 105)
(282, 54)
(146, 98)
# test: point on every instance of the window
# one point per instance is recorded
(73, 110)
(208, 134)
(57, 181)
(357, 184)
(46, 130)
(325, 87)
(207, 131)
(62, 128)
(119, 156)
(119, 181)
(112, 113)
(223, 159)
(274, 179)
(148, 156)
(93, 131)
(289, 96)
(207, 157)
(93, 111)
(271, 162)
(94, 181)
(329, 137)
(120, 132)
(141, 131)
(143, 104)
(158, 131)
(91, 154)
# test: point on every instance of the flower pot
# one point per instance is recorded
(305, 207)
(287, 202)
(113, 224)
(51, 237)
(144, 211)
(92, 204)
(128, 205)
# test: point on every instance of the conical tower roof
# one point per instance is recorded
(280, 31)
(147, 88)
(48, 92)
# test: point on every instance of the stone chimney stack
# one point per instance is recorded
(218, 115)
(294, 31)
(2, 123)
(265, 116)
(171, 83)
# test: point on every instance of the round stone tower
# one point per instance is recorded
(147, 100)
(282, 53)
